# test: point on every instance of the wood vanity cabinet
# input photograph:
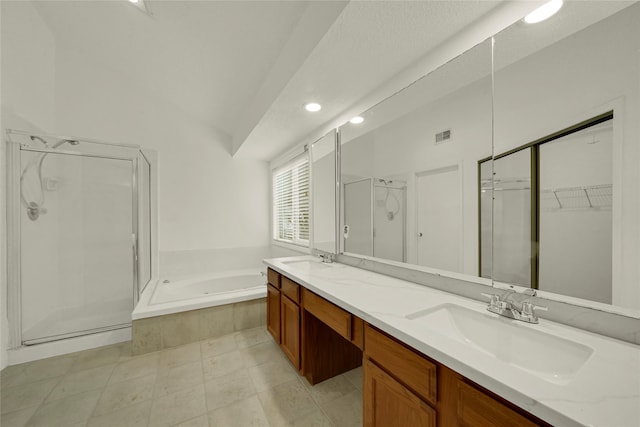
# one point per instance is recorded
(273, 304)
(290, 320)
(290, 330)
(477, 408)
(283, 314)
(273, 312)
(389, 403)
(320, 339)
(402, 387)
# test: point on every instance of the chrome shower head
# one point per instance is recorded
(33, 138)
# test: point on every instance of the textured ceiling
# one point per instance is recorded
(521, 40)
(247, 67)
(208, 58)
(369, 43)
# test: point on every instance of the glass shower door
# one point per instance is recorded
(77, 264)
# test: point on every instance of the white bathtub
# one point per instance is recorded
(166, 296)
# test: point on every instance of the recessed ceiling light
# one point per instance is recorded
(356, 120)
(545, 11)
(313, 107)
(133, 1)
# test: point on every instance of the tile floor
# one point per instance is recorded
(241, 379)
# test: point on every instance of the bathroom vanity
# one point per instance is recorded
(419, 367)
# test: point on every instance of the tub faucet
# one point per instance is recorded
(515, 305)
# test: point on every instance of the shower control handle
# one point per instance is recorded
(419, 234)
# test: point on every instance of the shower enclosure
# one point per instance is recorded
(79, 223)
(375, 218)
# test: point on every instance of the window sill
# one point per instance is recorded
(291, 246)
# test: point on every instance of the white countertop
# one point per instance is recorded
(604, 392)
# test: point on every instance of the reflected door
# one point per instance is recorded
(439, 219)
(77, 258)
(575, 214)
(512, 236)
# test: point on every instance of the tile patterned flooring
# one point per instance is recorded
(241, 379)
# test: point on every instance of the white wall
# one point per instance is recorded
(589, 73)
(3, 238)
(27, 74)
(323, 181)
(207, 199)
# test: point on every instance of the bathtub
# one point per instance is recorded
(168, 296)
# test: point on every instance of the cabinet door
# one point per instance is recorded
(389, 403)
(273, 312)
(290, 330)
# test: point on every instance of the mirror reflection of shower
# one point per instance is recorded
(391, 202)
(34, 203)
(375, 217)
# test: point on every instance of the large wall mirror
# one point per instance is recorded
(566, 211)
(323, 181)
(409, 169)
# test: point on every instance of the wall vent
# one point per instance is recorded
(443, 136)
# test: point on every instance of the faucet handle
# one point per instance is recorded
(494, 299)
(528, 313)
(528, 306)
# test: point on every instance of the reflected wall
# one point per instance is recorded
(409, 171)
(323, 181)
(567, 99)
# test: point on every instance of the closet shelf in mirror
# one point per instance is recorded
(589, 197)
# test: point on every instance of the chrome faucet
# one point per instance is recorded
(328, 258)
(515, 305)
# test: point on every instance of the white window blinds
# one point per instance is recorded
(291, 202)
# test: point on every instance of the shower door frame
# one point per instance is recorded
(14, 244)
(371, 189)
(372, 214)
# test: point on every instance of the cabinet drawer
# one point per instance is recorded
(273, 277)
(409, 367)
(328, 313)
(290, 289)
(476, 409)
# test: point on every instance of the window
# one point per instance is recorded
(291, 202)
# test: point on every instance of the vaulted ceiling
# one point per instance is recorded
(247, 67)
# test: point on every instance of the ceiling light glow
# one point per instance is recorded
(313, 107)
(133, 1)
(356, 120)
(545, 11)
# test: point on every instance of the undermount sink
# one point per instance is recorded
(550, 357)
